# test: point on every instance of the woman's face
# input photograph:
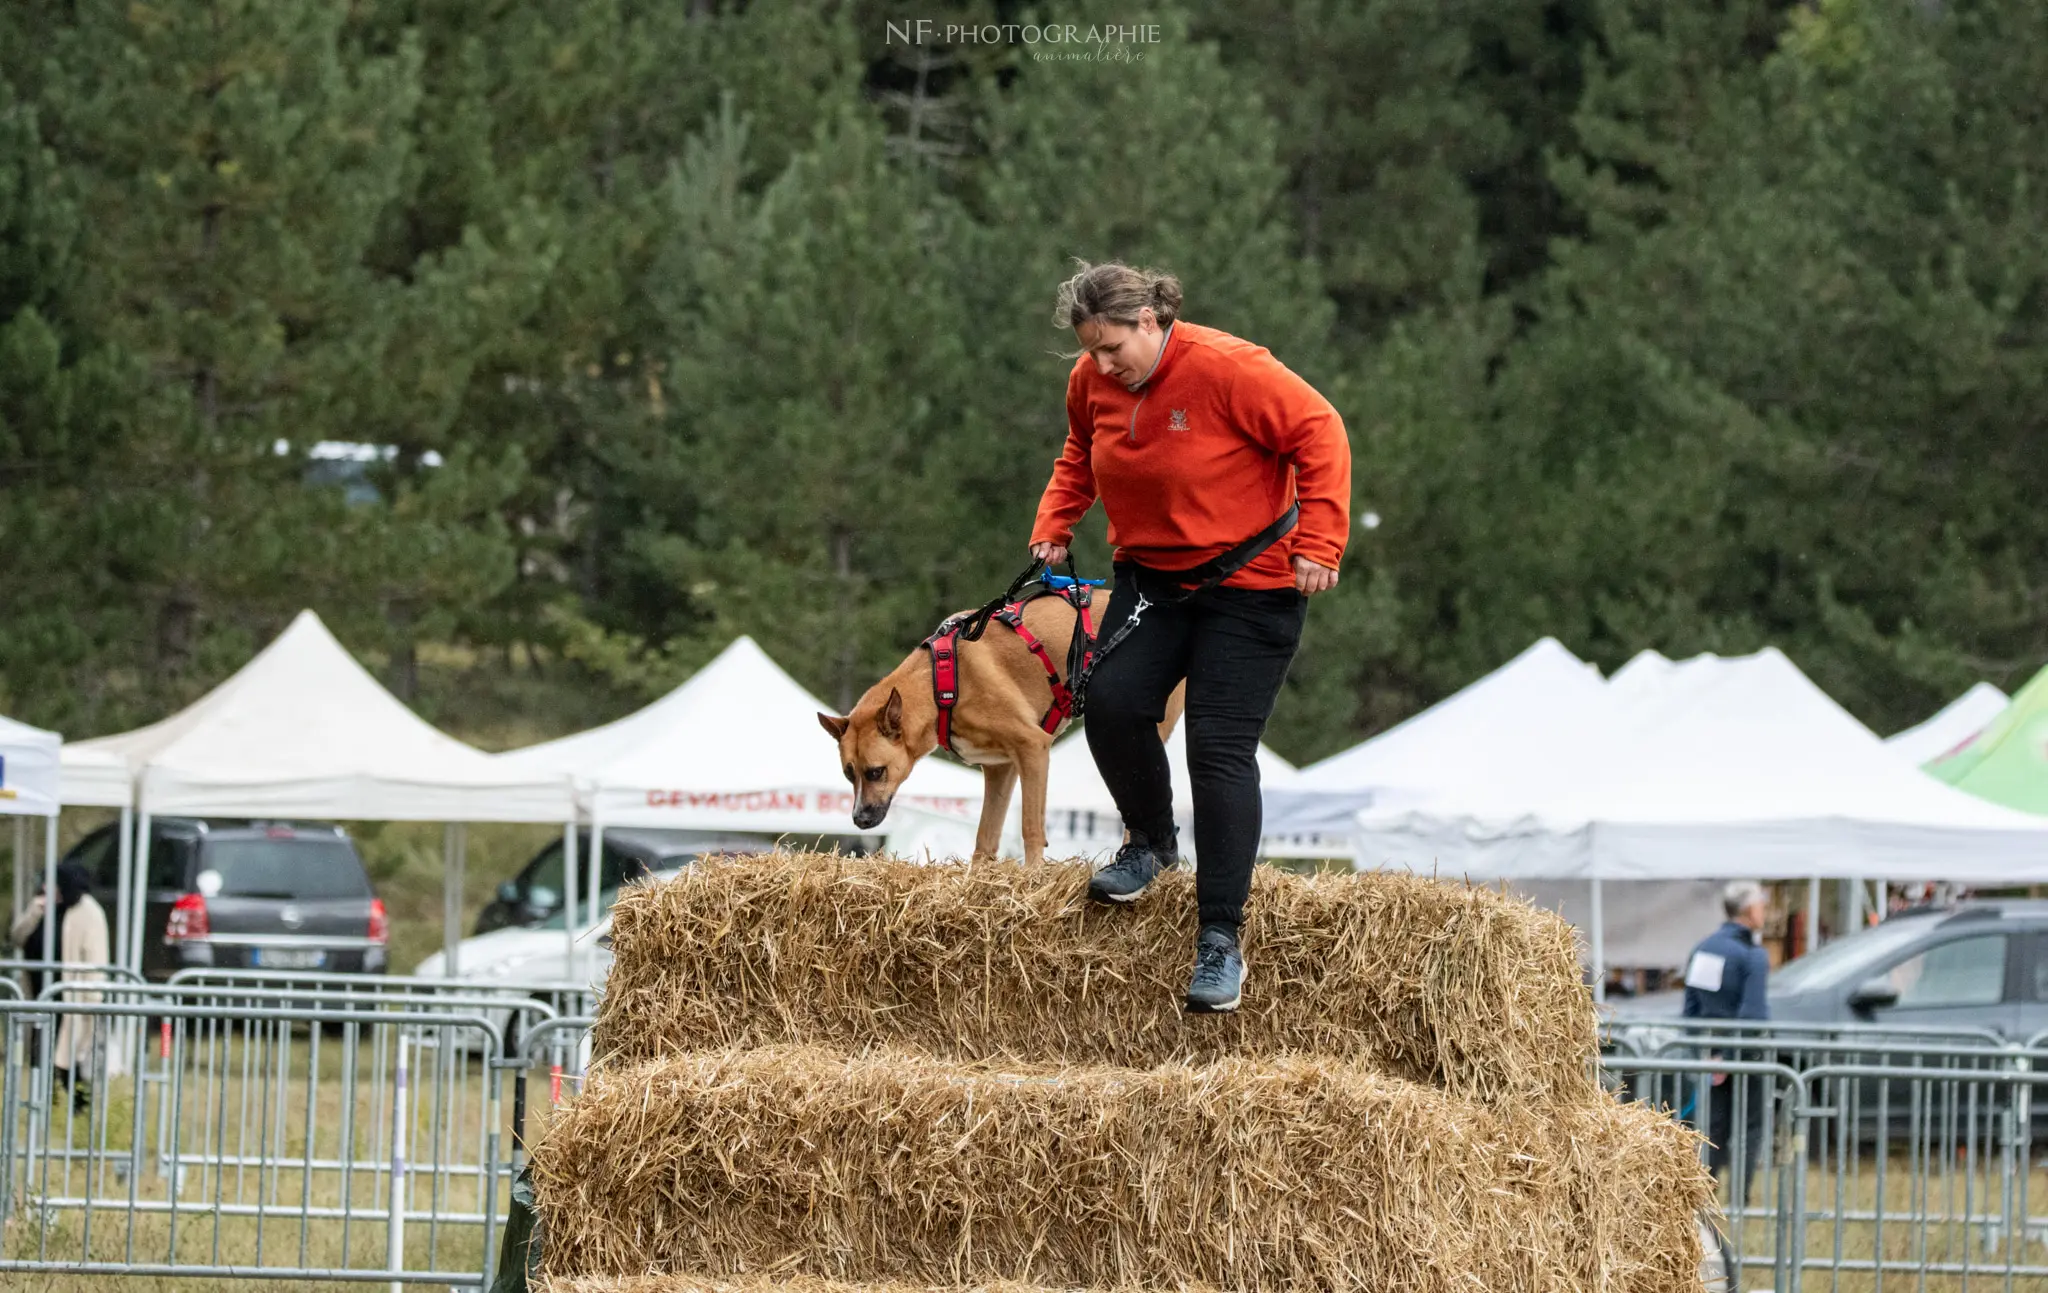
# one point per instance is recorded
(1124, 352)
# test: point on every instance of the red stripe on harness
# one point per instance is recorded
(1062, 696)
(944, 644)
(945, 647)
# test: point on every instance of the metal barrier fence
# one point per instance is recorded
(300, 1127)
(14, 970)
(1860, 1157)
(308, 1126)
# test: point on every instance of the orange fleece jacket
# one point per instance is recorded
(1206, 453)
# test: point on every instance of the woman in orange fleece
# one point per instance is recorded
(1227, 482)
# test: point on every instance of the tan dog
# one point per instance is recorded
(1003, 696)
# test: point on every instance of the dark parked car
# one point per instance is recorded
(1979, 965)
(535, 894)
(247, 894)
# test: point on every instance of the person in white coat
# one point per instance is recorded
(82, 946)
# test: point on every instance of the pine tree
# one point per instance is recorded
(79, 521)
(818, 366)
(1381, 128)
(242, 161)
(571, 115)
(1833, 220)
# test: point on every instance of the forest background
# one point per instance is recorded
(1690, 325)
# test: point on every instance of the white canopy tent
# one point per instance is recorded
(1714, 768)
(735, 748)
(304, 731)
(28, 788)
(1950, 726)
(94, 779)
(1509, 718)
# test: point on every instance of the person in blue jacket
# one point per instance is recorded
(1726, 978)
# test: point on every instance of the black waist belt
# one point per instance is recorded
(1193, 580)
(1225, 564)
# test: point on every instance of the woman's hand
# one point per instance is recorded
(1311, 578)
(1052, 554)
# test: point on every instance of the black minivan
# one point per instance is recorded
(247, 895)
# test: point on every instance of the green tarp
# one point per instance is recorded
(2007, 762)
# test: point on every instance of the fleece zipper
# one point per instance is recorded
(1146, 385)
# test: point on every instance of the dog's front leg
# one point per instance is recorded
(1032, 762)
(997, 779)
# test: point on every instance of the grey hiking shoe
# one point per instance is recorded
(1218, 982)
(1133, 868)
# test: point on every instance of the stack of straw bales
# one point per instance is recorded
(827, 1069)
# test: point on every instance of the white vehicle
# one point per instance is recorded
(534, 962)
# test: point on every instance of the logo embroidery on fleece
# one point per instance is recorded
(1178, 421)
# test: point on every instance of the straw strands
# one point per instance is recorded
(1634, 1191)
(1251, 1175)
(780, 1284)
(909, 1078)
(1456, 987)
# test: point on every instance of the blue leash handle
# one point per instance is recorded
(1061, 583)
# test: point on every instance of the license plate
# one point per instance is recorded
(290, 958)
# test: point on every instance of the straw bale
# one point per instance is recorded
(1252, 1175)
(1635, 1186)
(1459, 987)
(784, 1284)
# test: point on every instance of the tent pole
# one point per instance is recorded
(50, 892)
(569, 896)
(1599, 946)
(451, 901)
(1883, 899)
(1812, 914)
(461, 876)
(140, 917)
(124, 859)
(596, 869)
(20, 868)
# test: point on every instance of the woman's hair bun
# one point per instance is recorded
(1115, 291)
(1165, 296)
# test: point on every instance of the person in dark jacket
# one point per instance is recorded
(1726, 978)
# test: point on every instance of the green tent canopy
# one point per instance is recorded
(2007, 762)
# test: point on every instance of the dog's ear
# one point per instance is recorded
(833, 724)
(890, 721)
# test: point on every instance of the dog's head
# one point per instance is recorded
(872, 753)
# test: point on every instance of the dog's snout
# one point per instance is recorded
(867, 815)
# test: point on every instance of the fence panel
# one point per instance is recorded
(266, 1137)
(1924, 1177)
(548, 1066)
(1923, 1173)
(292, 1126)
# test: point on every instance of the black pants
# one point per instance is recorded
(1233, 646)
(1751, 1090)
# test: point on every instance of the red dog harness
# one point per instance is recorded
(945, 648)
